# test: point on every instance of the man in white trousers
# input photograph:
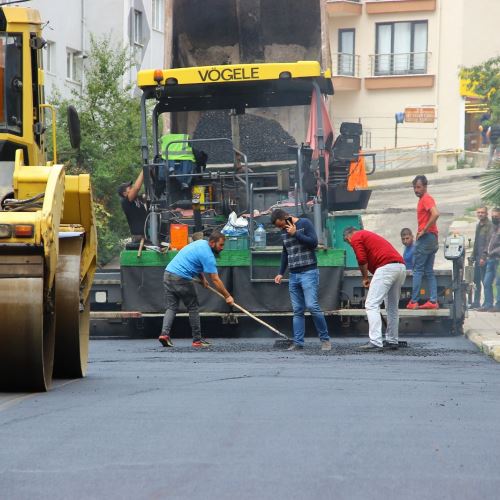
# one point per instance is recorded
(377, 256)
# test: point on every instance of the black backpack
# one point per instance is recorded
(494, 134)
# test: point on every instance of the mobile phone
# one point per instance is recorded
(289, 220)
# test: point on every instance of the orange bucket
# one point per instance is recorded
(178, 236)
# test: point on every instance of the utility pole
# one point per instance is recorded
(168, 41)
(326, 55)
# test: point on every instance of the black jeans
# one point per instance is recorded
(177, 288)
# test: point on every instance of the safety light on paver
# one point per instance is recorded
(24, 230)
(158, 76)
(5, 231)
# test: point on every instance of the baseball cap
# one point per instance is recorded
(123, 186)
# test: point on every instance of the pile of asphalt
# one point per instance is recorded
(413, 349)
(261, 139)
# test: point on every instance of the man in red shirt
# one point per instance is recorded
(376, 255)
(426, 245)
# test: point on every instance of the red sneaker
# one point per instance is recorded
(429, 305)
(412, 305)
(201, 343)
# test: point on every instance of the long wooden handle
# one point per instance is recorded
(248, 313)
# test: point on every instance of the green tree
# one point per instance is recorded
(110, 128)
(484, 80)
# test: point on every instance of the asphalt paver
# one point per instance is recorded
(245, 420)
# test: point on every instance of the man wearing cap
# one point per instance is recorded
(134, 209)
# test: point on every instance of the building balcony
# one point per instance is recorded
(398, 6)
(343, 8)
(345, 72)
(397, 71)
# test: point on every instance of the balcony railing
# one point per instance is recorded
(411, 63)
(345, 64)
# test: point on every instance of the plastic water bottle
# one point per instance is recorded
(259, 237)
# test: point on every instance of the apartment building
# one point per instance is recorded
(137, 25)
(389, 56)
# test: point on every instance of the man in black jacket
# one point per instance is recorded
(481, 239)
(134, 209)
(299, 244)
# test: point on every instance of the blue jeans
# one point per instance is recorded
(425, 252)
(178, 167)
(303, 289)
(489, 278)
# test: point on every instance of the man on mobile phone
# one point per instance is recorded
(298, 254)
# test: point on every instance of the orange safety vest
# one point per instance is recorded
(357, 175)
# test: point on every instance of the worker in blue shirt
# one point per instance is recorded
(194, 261)
(409, 251)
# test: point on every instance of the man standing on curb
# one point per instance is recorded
(481, 240)
(377, 255)
(426, 245)
(299, 245)
(191, 262)
(491, 257)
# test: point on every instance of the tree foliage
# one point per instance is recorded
(484, 80)
(110, 129)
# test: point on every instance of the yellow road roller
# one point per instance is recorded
(47, 224)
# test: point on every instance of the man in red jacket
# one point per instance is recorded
(376, 255)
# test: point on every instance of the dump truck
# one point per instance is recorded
(47, 226)
(314, 183)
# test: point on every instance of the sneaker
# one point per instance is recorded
(165, 340)
(201, 343)
(484, 309)
(326, 345)
(295, 347)
(370, 347)
(391, 346)
(429, 305)
(412, 305)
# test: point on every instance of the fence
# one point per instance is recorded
(402, 158)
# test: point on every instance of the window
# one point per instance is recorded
(50, 57)
(11, 83)
(401, 48)
(346, 52)
(158, 8)
(74, 65)
(138, 27)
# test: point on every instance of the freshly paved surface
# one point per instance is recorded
(245, 421)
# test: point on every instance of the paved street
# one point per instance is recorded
(246, 421)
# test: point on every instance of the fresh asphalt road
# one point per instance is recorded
(245, 421)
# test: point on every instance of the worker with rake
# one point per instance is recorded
(194, 261)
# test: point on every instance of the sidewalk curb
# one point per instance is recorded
(489, 343)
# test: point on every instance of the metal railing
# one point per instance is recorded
(345, 64)
(405, 157)
(411, 63)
